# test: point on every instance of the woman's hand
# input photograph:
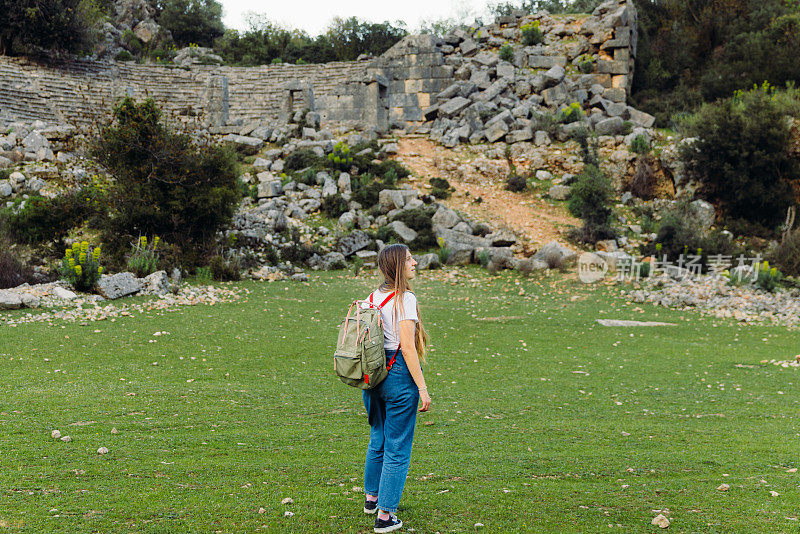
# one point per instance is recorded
(426, 400)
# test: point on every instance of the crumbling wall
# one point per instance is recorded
(410, 84)
(82, 91)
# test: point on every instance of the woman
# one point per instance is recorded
(392, 405)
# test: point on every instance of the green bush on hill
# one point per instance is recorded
(741, 158)
(164, 185)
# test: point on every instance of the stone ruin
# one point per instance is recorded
(456, 89)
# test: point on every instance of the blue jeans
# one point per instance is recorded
(392, 411)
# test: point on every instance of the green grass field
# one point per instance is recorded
(542, 420)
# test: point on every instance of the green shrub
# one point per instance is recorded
(80, 266)
(680, 232)
(545, 121)
(307, 177)
(742, 158)
(295, 250)
(301, 159)
(531, 34)
(588, 144)
(444, 252)
(143, 259)
(12, 271)
(419, 220)
(506, 53)
(358, 264)
(45, 219)
(333, 206)
(590, 199)
(164, 184)
(124, 55)
(786, 255)
(203, 275)
(340, 158)
(225, 269)
(640, 145)
(768, 278)
(440, 188)
(515, 182)
(571, 113)
(387, 166)
(586, 64)
(366, 189)
(483, 258)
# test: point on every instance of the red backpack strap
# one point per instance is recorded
(387, 299)
(390, 363)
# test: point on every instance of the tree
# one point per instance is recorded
(163, 184)
(192, 21)
(742, 159)
(690, 51)
(32, 27)
(350, 37)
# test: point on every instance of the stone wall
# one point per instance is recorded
(403, 86)
(81, 91)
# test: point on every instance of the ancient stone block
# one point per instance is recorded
(612, 67)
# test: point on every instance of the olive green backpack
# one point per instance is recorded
(360, 359)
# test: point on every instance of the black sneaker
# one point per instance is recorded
(387, 525)
(370, 507)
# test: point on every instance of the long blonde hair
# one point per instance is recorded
(391, 262)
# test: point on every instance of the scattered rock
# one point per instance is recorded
(102, 450)
(660, 521)
(628, 324)
(66, 439)
(723, 487)
(55, 434)
(287, 500)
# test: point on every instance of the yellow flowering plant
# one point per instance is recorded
(80, 266)
(143, 259)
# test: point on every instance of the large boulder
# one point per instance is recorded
(704, 212)
(270, 189)
(9, 300)
(428, 261)
(445, 217)
(555, 250)
(559, 192)
(353, 242)
(118, 285)
(35, 141)
(406, 234)
(243, 143)
(461, 245)
(156, 283)
(332, 260)
(609, 126)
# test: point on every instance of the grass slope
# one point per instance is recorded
(237, 407)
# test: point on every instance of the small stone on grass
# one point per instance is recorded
(661, 521)
(55, 434)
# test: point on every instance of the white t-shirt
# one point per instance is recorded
(392, 317)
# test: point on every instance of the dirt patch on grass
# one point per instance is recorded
(534, 220)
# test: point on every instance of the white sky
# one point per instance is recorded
(313, 16)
